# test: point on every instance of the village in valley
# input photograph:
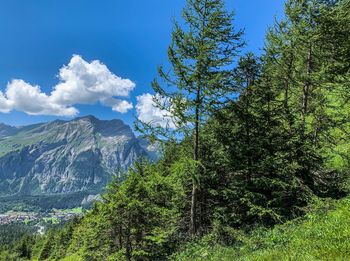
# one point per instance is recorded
(55, 216)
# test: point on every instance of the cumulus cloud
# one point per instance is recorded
(147, 112)
(87, 83)
(117, 104)
(5, 105)
(80, 82)
(22, 96)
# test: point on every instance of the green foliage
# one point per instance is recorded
(135, 220)
(11, 232)
(199, 82)
(16, 242)
(321, 235)
(264, 155)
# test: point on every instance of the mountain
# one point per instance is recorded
(66, 157)
(6, 130)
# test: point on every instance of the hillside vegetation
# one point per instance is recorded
(324, 234)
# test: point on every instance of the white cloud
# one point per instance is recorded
(87, 83)
(117, 104)
(27, 98)
(80, 83)
(5, 105)
(147, 112)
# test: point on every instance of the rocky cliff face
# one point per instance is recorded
(66, 156)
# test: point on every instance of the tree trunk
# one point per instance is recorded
(120, 237)
(194, 195)
(306, 89)
(286, 95)
(288, 79)
(128, 247)
(249, 83)
(194, 210)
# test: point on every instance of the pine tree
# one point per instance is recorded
(275, 134)
(200, 80)
(260, 182)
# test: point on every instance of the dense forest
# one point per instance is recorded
(250, 141)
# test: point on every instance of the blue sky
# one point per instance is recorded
(129, 37)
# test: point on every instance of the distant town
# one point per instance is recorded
(56, 216)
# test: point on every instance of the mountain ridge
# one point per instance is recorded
(65, 157)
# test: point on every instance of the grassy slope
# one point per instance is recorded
(324, 234)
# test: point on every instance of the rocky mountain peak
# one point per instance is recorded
(82, 154)
(6, 130)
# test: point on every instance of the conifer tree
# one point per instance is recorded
(200, 80)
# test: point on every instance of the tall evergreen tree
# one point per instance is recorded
(201, 79)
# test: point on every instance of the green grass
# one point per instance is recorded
(324, 234)
(77, 210)
(20, 140)
(51, 220)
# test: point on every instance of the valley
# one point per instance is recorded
(55, 216)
